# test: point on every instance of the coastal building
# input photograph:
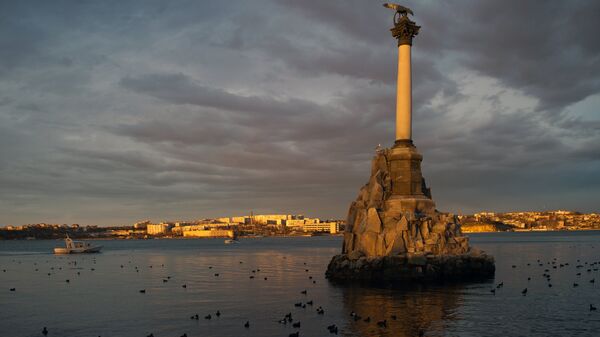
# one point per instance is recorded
(239, 219)
(515, 223)
(299, 223)
(266, 219)
(209, 233)
(259, 219)
(330, 227)
(275, 219)
(221, 225)
(121, 232)
(157, 229)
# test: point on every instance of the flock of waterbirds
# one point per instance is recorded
(588, 267)
(287, 318)
(583, 269)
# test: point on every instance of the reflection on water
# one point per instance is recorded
(415, 312)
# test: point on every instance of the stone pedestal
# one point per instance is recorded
(405, 169)
(398, 205)
(408, 191)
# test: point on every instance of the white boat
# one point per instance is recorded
(228, 241)
(76, 247)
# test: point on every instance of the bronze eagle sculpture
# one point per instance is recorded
(398, 8)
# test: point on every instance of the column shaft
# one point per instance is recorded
(404, 95)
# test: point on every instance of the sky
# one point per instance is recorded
(113, 112)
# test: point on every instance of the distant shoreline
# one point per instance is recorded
(535, 231)
(169, 238)
(277, 236)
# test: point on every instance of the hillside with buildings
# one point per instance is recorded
(225, 227)
(292, 225)
(529, 221)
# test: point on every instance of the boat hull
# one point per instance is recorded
(89, 250)
(61, 251)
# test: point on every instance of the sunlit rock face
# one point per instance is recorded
(394, 232)
(381, 224)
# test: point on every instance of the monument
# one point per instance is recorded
(393, 231)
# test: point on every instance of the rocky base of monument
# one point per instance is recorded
(382, 224)
(394, 234)
(410, 269)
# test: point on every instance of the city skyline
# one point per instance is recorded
(188, 109)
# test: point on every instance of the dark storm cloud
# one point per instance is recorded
(119, 110)
(179, 89)
(249, 119)
(180, 133)
(547, 51)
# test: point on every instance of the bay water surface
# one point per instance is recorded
(260, 280)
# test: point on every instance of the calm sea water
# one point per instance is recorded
(102, 296)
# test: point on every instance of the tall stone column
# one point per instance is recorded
(404, 30)
(404, 95)
(403, 158)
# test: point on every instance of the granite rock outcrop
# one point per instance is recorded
(394, 219)
(373, 228)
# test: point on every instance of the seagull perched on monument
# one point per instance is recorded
(398, 8)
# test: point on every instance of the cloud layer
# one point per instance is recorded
(116, 111)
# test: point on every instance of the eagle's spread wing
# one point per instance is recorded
(398, 8)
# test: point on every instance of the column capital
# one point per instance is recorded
(404, 29)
